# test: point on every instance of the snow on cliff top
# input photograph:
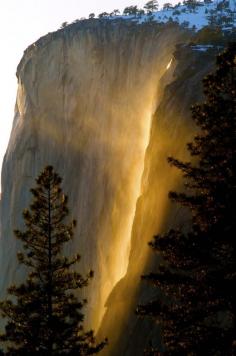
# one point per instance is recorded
(218, 13)
(196, 17)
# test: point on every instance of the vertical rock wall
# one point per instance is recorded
(85, 101)
(172, 128)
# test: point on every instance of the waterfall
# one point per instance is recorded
(85, 102)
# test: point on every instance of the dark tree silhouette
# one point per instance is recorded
(44, 316)
(91, 16)
(64, 24)
(115, 12)
(131, 10)
(167, 6)
(191, 4)
(151, 6)
(196, 303)
(103, 15)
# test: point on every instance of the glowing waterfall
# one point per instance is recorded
(120, 268)
(86, 98)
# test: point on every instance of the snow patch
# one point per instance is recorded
(196, 18)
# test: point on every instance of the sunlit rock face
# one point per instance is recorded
(172, 127)
(85, 104)
(85, 101)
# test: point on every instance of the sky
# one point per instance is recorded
(22, 23)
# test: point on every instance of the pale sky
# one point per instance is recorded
(21, 23)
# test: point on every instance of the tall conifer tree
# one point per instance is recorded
(44, 317)
(196, 303)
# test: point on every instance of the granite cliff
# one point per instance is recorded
(105, 102)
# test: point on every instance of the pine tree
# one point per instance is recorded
(167, 6)
(191, 4)
(130, 10)
(196, 303)
(44, 316)
(151, 6)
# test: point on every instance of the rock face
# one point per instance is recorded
(99, 102)
(172, 128)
